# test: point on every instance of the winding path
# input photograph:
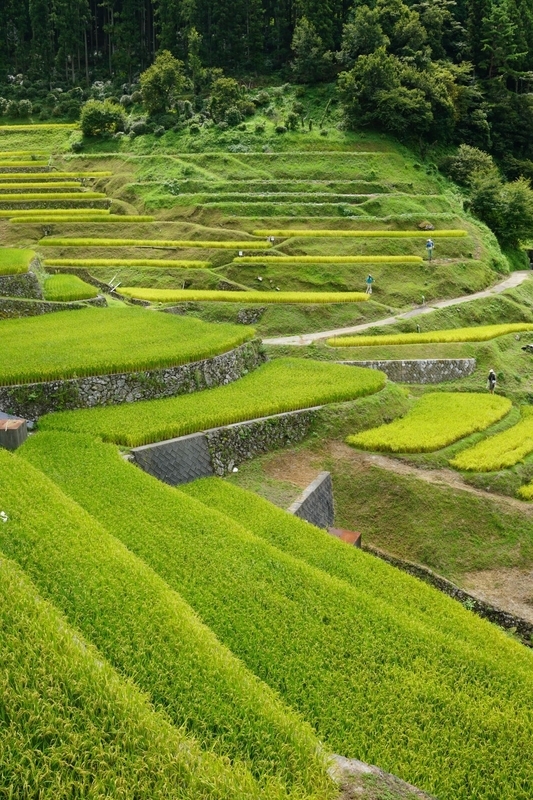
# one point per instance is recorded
(515, 279)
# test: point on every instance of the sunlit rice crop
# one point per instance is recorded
(435, 421)
(278, 386)
(480, 333)
(214, 296)
(14, 260)
(53, 241)
(147, 263)
(95, 341)
(328, 260)
(66, 217)
(65, 288)
(28, 197)
(500, 451)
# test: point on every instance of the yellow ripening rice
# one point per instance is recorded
(163, 243)
(205, 295)
(435, 421)
(328, 260)
(480, 333)
(380, 234)
(502, 450)
(146, 263)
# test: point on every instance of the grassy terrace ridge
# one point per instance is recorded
(502, 450)
(66, 288)
(14, 261)
(33, 163)
(382, 234)
(54, 241)
(9, 154)
(154, 638)
(51, 176)
(278, 386)
(78, 219)
(435, 420)
(229, 296)
(106, 735)
(328, 259)
(478, 333)
(147, 263)
(47, 186)
(464, 708)
(98, 341)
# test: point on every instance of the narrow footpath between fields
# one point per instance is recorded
(515, 279)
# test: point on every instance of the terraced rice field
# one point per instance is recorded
(66, 288)
(206, 295)
(435, 421)
(500, 451)
(14, 261)
(480, 333)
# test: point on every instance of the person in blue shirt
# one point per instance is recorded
(429, 248)
(369, 281)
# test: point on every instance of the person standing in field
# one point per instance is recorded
(429, 247)
(369, 281)
(491, 381)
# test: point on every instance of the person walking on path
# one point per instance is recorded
(429, 247)
(491, 381)
(369, 281)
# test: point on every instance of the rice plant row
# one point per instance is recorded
(500, 451)
(155, 263)
(435, 421)
(156, 642)
(98, 341)
(216, 296)
(480, 333)
(382, 234)
(41, 187)
(66, 288)
(14, 261)
(526, 492)
(278, 386)
(54, 241)
(32, 212)
(39, 126)
(25, 197)
(328, 260)
(97, 734)
(67, 217)
(356, 666)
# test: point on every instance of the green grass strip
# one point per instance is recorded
(215, 296)
(78, 219)
(382, 234)
(328, 260)
(51, 176)
(164, 243)
(98, 341)
(66, 288)
(8, 154)
(279, 386)
(435, 421)
(151, 263)
(14, 261)
(500, 451)
(154, 639)
(26, 197)
(481, 333)
(359, 668)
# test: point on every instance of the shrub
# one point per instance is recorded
(25, 108)
(12, 109)
(223, 126)
(194, 129)
(292, 121)
(281, 129)
(467, 162)
(435, 421)
(126, 100)
(162, 83)
(159, 131)
(262, 99)
(247, 108)
(137, 97)
(260, 128)
(3, 106)
(139, 127)
(225, 94)
(233, 116)
(101, 116)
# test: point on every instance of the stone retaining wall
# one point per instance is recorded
(504, 619)
(23, 285)
(33, 400)
(424, 370)
(218, 450)
(315, 504)
(11, 307)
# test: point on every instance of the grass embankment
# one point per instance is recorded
(480, 333)
(215, 296)
(146, 263)
(65, 288)
(359, 668)
(54, 241)
(276, 387)
(74, 728)
(329, 259)
(78, 219)
(100, 341)
(436, 420)
(51, 177)
(152, 637)
(14, 261)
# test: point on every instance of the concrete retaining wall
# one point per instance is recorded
(218, 450)
(424, 370)
(315, 504)
(34, 399)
